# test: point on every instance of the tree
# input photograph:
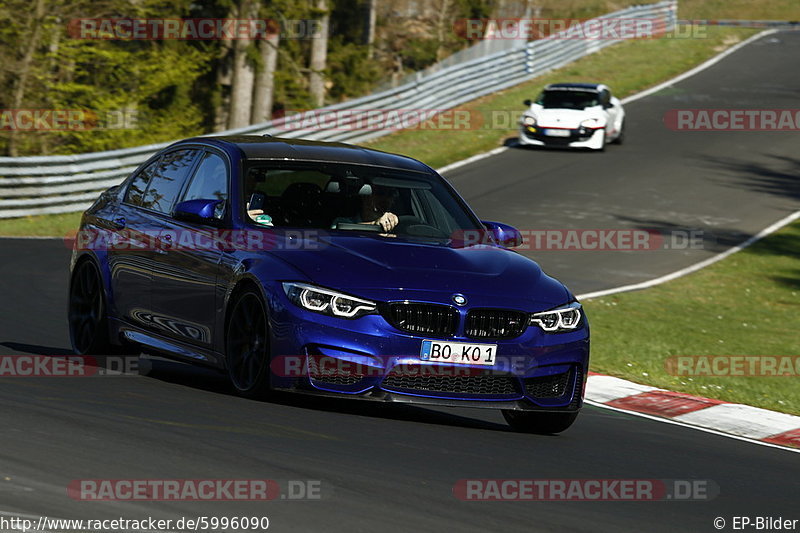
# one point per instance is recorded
(244, 69)
(319, 53)
(33, 31)
(264, 89)
(370, 19)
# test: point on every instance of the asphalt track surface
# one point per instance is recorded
(393, 468)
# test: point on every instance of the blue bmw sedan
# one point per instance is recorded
(327, 269)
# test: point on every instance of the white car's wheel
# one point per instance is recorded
(621, 137)
(602, 146)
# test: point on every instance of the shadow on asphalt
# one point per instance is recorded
(36, 349)
(714, 239)
(214, 381)
(211, 380)
(781, 177)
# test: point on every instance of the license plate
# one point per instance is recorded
(459, 353)
(557, 133)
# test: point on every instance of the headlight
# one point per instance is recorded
(565, 318)
(327, 302)
(529, 120)
(592, 123)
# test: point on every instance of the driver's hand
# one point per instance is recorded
(253, 213)
(387, 221)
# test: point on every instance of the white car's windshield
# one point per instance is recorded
(568, 99)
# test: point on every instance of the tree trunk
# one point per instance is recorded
(224, 75)
(441, 26)
(371, 8)
(224, 78)
(243, 74)
(265, 79)
(319, 54)
(24, 69)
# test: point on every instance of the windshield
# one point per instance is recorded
(355, 198)
(568, 99)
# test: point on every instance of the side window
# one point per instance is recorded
(167, 182)
(135, 193)
(210, 181)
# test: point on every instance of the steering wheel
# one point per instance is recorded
(411, 225)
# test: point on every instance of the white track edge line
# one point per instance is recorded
(691, 426)
(699, 68)
(772, 228)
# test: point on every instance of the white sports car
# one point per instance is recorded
(576, 115)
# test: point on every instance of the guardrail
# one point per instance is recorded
(60, 184)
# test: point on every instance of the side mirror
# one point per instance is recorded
(201, 211)
(503, 234)
(527, 102)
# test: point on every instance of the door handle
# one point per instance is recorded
(164, 243)
(119, 223)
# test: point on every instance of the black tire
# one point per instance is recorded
(621, 137)
(539, 423)
(88, 321)
(247, 345)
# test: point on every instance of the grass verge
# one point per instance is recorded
(745, 305)
(40, 225)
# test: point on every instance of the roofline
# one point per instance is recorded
(595, 87)
(340, 162)
(229, 142)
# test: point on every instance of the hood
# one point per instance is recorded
(563, 118)
(390, 269)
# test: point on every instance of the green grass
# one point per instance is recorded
(739, 9)
(747, 304)
(41, 226)
(628, 68)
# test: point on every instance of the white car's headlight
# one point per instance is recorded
(327, 302)
(593, 123)
(565, 318)
(529, 120)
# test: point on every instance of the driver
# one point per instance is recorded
(375, 209)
